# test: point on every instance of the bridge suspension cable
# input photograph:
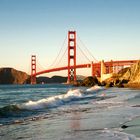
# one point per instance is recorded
(58, 59)
(58, 62)
(39, 66)
(78, 47)
(86, 50)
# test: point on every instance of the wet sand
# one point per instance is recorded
(133, 127)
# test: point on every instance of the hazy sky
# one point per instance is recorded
(110, 29)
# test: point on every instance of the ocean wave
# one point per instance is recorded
(50, 102)
(53, 101)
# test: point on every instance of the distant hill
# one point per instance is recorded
(13, 76)
(54, 79)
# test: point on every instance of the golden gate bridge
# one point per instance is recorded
(97, 68)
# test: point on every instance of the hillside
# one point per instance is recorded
(54, 79)
(13, 76)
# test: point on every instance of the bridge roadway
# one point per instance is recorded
(95, 65)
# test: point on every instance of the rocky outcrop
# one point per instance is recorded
(12, 76)
(90, 81)
(133, 74)
(126, 77)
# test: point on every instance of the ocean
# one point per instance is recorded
(65, 112)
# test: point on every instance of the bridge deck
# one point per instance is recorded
(97, 65)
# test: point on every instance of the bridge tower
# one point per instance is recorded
(33, 69)
(71, 57)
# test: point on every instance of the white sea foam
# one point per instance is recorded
(94, 88)
(58, 100)
(118, 99)
(116, 135)
(53, 101)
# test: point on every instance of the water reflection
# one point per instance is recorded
(75, 121)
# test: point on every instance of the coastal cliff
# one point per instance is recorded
(129, 77)
(13, 76)
(133, 73)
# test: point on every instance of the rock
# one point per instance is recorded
(119, 85)
(103, 83)
(90, 81)
(113, 81)
(109, 84)
(133, 74)
(124, 81)
(124, 126)
(125, 77)
(123, 71)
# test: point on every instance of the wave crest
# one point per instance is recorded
(53, 101)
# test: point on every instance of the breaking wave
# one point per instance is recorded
(53, 101)
(46, 103)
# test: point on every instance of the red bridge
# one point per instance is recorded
(109, 66)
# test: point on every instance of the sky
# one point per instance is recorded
(110, 29)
